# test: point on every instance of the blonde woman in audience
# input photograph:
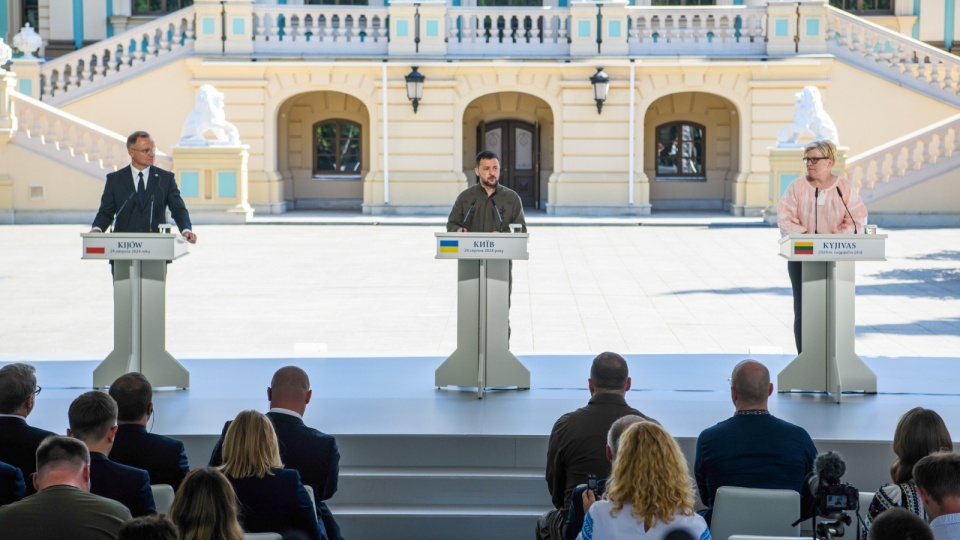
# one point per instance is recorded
(920, 432)
(649, 493)
(272, 499)
(205, 507)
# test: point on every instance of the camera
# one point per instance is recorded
(831, 497)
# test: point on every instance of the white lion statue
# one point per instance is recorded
(208, 118)
(809, 115)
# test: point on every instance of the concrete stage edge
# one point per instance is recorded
(359, 397)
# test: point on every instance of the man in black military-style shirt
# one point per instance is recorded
(486, 206)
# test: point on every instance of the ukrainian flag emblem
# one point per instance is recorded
(803, 248)
(449, 246)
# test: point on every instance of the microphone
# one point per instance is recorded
(499, 216)
(122, 206)
(466, 217)
(828, 467)
(151, 215)
(848, 210)
(816, 199)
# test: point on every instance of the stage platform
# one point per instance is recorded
(356, 398)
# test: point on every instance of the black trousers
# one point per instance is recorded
(795, 269)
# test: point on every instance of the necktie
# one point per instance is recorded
(141, 191)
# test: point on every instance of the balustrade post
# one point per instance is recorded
(214, 182)
(584, 39)
(812, 38)
(614, 28)
(238, 17)
(8, 122)
(417, 27)
(781, 28)
(209, 15)
(27, 71)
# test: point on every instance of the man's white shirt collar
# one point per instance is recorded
(135, 172)
(13, 416)
(286, 411)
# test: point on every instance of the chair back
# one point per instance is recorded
(313, 498)
(753, 511)
(752, 537)
(262, 536)
(162, 497)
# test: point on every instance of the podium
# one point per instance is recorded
(828, 362)
(482, 359)
(139, 305)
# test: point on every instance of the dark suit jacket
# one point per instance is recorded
(12, 487)
(120, 199)
(124, 484)
(276, 503)
(312, 453)
(19, 442)
(164, 458)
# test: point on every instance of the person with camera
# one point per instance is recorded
(753, 449)
(648, 493)
(576, 447)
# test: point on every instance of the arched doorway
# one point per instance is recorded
(323, 151)
(692, 151)
(518, 127)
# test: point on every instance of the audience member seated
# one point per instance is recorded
(899, 524)
(12, 488)
(938, 483)
(153, 527)
(206, 507)
(753, 449)
(164, 458)
(576, 513)
(63, 507)
(576, 447)
(272, 499)
(920, 432)
(649, 492)
(310, 452)
(93, 420)
(19, 441)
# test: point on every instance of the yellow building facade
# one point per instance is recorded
(696, 98)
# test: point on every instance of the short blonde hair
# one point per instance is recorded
(250, 447)
(650, 473)
(827, 148)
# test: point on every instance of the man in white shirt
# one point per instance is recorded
(938, 484)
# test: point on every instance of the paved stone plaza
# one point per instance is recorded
(290, 288)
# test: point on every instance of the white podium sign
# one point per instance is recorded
(828, 362)
(133, 246)
(482, 246)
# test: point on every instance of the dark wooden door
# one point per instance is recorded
(515, 142)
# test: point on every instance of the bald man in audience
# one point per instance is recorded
(753, 449)
(93, 420)
(63, 507)
(312, 453)
(163, 457)
(938, 484)
(19, 440)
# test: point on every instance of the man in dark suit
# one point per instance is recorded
(93, 420)
(19, 441)
(12, 487)
(312, 453)
(163, 457)
(135, 198)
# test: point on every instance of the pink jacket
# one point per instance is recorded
(803, 211)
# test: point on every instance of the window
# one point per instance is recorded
(337, 144)
(31, 14)
(865, 7)
(158, 7)
(679, 148)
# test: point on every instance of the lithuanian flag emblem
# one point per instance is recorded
(803, 248)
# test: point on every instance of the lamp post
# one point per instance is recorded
(601, 85)
(414, 87)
